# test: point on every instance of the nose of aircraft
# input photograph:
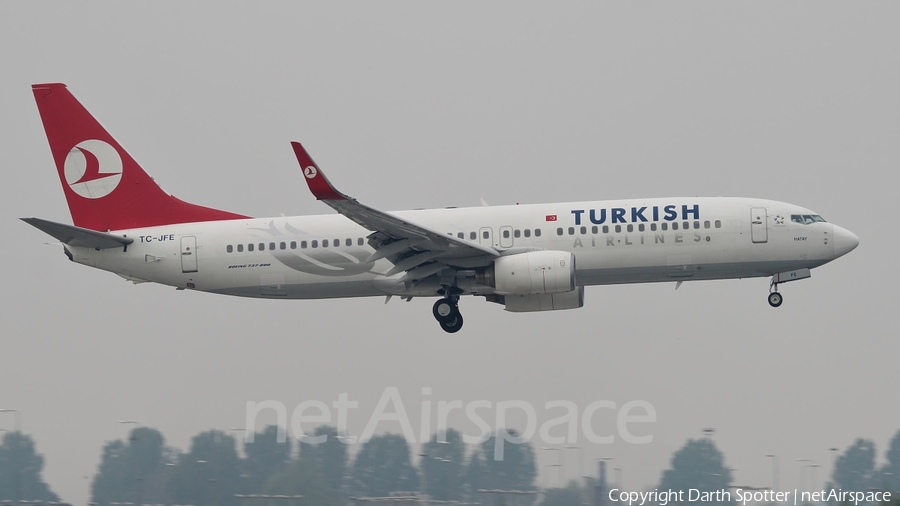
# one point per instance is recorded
(845, 241)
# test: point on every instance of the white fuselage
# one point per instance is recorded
(650, 240)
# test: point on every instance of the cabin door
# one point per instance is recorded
(758, 230)
(189, 254)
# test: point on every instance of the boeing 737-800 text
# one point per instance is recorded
(527, 257)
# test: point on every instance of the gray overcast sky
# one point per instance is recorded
(410, 105)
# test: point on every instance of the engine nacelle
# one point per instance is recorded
(531, 273)
(547, 302)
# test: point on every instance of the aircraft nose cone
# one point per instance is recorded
(845, 241)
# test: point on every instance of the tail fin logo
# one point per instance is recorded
(310, 172)
(93, 169)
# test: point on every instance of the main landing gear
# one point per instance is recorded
(446, 312)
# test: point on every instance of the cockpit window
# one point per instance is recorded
(806, 219)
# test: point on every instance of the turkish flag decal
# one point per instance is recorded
(551, 217)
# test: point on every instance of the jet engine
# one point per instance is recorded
(531, 273)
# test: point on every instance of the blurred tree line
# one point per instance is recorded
(20, 470)
(856, 470)
(700, 465)
(143, 470)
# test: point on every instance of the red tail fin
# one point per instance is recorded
(105, 188)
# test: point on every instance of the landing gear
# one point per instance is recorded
(453, 325)
(446, 312)
(444, 309)
(775, 298)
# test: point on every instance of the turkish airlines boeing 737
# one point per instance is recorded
(527, 257)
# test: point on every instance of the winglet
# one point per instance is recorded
(319, 185)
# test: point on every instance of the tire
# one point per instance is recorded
(453, 326)
(444, 310)
(775, 299)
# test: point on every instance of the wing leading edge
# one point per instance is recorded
(411, 247)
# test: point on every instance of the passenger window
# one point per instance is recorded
(250, 247)
(302, 244)
(337, 243)
(687, 225)
(517, 233)
(461, 235)
(486, 234)
(571, 230)
(594, 229)
(559, 231)
(653, 227)
(324, 243)
(282, 246)
(605, 229)
(472, 236)
(240, 248)
(664, 226)
(348, 241)
(718, 223)
(583, 230)
(706, 224)
(359, 242)
(506, 234)
(229, 249)
(293, 244)
(641, 227)
(537, 232)
(630, 227)
(527, 232)
(315, 244)
(674, 225)
(262, 246)
(618, 228)
(271, 245)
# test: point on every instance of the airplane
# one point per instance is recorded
(536, 257)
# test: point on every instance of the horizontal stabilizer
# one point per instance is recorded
(77, 236)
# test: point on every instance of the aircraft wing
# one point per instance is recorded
(77, 236)
(406, 244)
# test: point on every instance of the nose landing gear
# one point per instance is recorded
(446, 312)
(775, 299)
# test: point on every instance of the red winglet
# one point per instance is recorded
(319, 185)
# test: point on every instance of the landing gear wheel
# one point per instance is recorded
(444, 310)
(775, 299)
(453, 325)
